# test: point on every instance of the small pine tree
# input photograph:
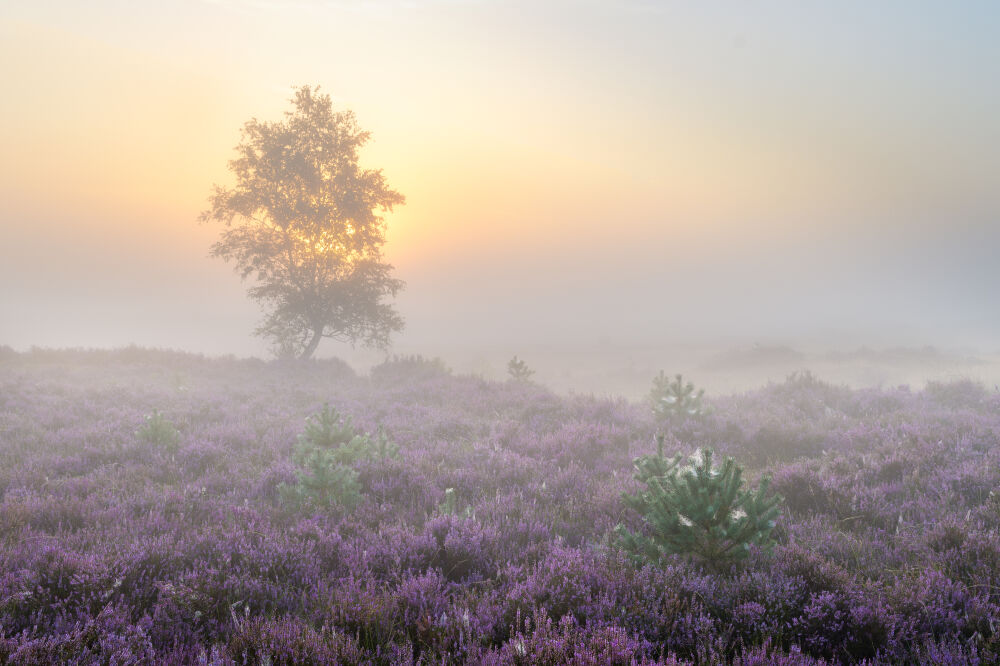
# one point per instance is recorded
(160, 432)
(519, 370)
(322, 481)
(701, 511)
(324, 455)
(646, 467)
(329, 430)
(673, 398)
(450, 505)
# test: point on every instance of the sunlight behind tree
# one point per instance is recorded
(304, 221)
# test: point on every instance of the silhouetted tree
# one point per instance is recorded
(305, 222)
(518, 370)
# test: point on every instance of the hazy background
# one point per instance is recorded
(601, 187)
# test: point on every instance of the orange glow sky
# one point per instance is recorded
(802, 166)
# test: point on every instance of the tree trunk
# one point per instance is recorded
(307, 352)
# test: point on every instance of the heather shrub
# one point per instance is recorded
(943, 609)
(288, 642)
(701, 511)
(539, 640)
(806, 492)
(834, 624)
(810, 394)
(398, 487)
(110, 637)
(991, 508)
(366, 610)
(887, 553)
(54, 583)
(464, 548)
(816, 573)
(565, 582)
(772, 442)
(587, 444)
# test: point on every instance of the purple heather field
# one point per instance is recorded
(121, 544)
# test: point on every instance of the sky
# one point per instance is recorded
(593, 172)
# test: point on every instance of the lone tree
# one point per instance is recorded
(304, 221)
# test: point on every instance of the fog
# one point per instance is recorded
(733, 314)
(635, 187)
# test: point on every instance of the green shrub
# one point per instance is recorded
(698, 510)
(673, 398)
(647, 467)
(404, 369)
(518, 370)
(324, 454)
(450, 505)
(331, 431)
(160, 433)
(322, 481)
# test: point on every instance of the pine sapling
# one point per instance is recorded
(160, 432)
(519, 370)
(675, 398)
(700, 511)
(324, 454)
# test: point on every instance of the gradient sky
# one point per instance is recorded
(624, 171)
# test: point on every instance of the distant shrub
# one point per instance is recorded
(324, 453)
(335, 367)
(698, 510)
(778, 441)
(957, 394)
(160, 433)
(674, 398)
(408, 369)
(518, 370)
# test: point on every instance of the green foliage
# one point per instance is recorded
(305, 222)
(450, 505)
(160, 433)
(329, 430)
(410, 368)
(323, 482)
(519, 370)
(647, 467)
(673, 398)
(324, 455)
(698, 510)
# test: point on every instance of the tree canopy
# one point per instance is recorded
(305, 222)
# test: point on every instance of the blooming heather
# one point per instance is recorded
(487, 537)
